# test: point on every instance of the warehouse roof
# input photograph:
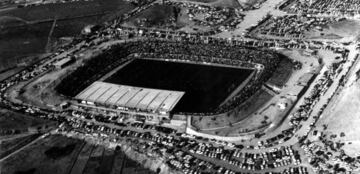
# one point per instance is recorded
(130, 97)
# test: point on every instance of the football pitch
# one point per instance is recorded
(205, 86)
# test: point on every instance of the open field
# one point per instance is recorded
(15, 122)
(9, 72)
(82, 159)
(156, 16)
(93, 164)
(61, 155)
(68, 10)
(24, 38)
(12, 144)
(49, 155)
(344, 31)
(205, 86)
(130, 166)
(343, 116)
(19, 43)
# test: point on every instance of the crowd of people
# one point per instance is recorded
(93, 69)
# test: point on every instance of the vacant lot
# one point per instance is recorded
(61, 155)
(11, 121)
(20, 42)
(12, 144)
(156, 16)
(205, 86)
(343, 116)
(344, 31)
(41, 157)
(68, 10)
(22, 36)
(9, 72)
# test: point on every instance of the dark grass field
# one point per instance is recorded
(33, 158)
(10, 145)
(69, 9)
(156, 16)
(20, 40)
(282, 73)
(61, 155)
(17, 43)
(133, 167)
(205, 86)
(15, 121)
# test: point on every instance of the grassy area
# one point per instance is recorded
(10, 145)
(118, 160)
(22, 41)
(133, 167)
(82, 159)
(34, 157)
(15, 121)
(156, 16)
(252, 105)
(342, 116)
(68, 10)
(93, 164)
(61, 155)
(342, 30)
(282, 73)
(9, 72)
(107, 161)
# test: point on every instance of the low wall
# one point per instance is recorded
(190, 131)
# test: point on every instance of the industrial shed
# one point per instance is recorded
(130, 97)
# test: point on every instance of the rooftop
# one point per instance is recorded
(130, 97)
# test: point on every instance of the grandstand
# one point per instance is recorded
(129, 97)
(203, 79)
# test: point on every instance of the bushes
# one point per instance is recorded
(59, 152)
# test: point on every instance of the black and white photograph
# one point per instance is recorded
(179, 86)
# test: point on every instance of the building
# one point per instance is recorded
(143, 103)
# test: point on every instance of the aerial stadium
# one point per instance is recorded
(134, 79)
